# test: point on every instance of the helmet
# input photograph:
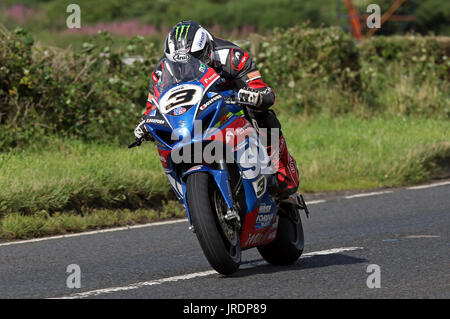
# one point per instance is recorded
(188, 37)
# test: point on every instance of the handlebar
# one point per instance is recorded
(139, 141)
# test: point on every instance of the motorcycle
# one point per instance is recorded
(212, 154)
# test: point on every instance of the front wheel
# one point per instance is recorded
(289, 244)
(218, 238)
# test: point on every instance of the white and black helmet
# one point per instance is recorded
(188, 37)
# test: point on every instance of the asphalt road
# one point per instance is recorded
(404, 231)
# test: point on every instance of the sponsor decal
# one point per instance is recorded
(264, 218)
(238, 60)
(179, 110)
(183, 27)
(194, 168)
(254, 239)
(201, 42)
(178, 88)
(263, 236)
(210, 102)
(210, 78)
(202, 67)
(265, 208)
(292, 166)
(181, 57)
(223, 119)
(163, 155)
(155, 121)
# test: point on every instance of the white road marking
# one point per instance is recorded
(316, 202)
(421, 236)
(138, 285)
(429, 185)
(367, 194)
(108, 230)
(331, 251)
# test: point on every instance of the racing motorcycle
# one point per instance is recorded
(219, 169)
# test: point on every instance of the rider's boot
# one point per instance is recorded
(284, 182)
(287, 175)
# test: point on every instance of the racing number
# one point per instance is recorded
(261, 187)
(180, 97)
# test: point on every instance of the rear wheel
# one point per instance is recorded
(218, 238)
(289, 244)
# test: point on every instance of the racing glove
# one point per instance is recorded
(141, 130)
(249, 96)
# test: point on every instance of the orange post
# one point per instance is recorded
(354, 20)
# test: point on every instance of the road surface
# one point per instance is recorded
(405, 232)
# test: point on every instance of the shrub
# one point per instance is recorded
(89, 94)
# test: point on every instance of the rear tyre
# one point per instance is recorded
(219, 241)
(289, 244)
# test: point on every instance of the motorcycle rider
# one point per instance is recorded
(238, 71)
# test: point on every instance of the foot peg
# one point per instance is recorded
(300, 202)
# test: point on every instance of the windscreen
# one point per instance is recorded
(178, 72)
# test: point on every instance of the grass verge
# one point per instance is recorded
(41, 224)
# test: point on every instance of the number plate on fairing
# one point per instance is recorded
(180, 96)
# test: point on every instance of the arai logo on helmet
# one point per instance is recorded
(181, 57)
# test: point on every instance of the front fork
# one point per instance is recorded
(232, 214)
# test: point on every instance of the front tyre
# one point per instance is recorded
(220, 242)
(289, 244)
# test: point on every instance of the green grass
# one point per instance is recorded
(71, 174)
(354, 153)
(18, 226)
(73, 186)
